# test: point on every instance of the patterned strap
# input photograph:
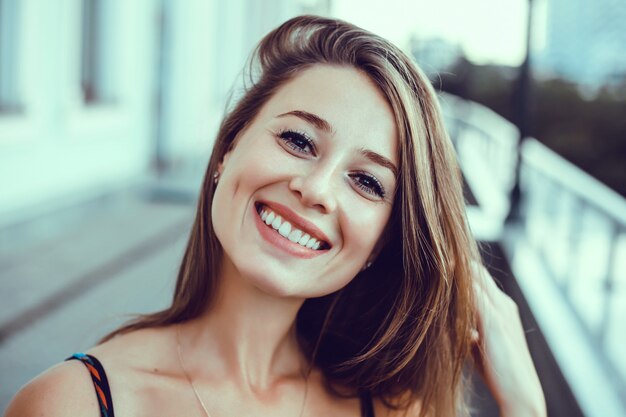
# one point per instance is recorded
(100, 382)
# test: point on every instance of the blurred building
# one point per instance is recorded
(435, 55)
(96, 95)
(99, 95)
(585, 41)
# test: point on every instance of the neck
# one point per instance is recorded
(248, 335)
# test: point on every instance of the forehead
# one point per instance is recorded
(347, 99)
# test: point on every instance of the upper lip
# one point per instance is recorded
(296, 220)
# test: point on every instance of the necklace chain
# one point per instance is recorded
(195, 391)
(182, 365)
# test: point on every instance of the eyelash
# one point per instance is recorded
(290, 137)
(375, 188)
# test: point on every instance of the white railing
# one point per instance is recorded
(576, 228)
(567, 251)
(486, 149)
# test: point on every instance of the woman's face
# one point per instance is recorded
(317, 162)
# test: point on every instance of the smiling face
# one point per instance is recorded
(307, 191)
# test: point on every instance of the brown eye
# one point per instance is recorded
(368, 183)
(298, 142)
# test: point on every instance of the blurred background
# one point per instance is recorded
(108, 110)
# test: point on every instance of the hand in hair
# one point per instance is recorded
(501, 352)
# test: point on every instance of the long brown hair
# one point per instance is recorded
(399, 330)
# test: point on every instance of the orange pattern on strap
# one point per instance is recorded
(93, 370)
(102, 397)
(100, 383)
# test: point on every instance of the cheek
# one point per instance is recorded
(249, 169)
(256, 164)
(362, 232)
(360, 236)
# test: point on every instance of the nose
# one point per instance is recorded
(314, 188)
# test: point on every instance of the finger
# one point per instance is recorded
(474, 335)
(485, 278)
(484, 308)
(490, 287)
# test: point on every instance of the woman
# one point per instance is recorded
(329, 271)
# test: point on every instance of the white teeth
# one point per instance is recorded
(304, 239)
(295, 235)
(284, 229)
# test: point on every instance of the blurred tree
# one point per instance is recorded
(587, 129)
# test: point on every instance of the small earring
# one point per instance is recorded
(367, 265)
(216, 177)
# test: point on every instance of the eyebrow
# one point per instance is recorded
(326, 127)
(380, 160)
(315, 120)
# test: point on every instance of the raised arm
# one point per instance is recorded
(502, 354)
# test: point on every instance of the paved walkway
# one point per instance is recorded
(59, 295)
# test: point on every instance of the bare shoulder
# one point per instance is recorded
(132, 360)
(131, 350)
(141, 370)
(63, 390)
(67, 389)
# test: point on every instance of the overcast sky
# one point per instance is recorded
(489, 31)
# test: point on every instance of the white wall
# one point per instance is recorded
(209, 45)
(59, 151)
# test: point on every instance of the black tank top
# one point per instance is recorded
(103, 392)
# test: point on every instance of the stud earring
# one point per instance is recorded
(367, 265)
(216, 177)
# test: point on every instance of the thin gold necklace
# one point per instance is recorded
(195, 391)
(182, 365)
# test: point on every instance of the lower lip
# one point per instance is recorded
(272, 236)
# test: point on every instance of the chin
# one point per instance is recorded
(271, 282)
(270, 285)
(278, 285)
(279, 279)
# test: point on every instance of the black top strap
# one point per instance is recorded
(103, 392)
(367, 404)
(100, 382)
